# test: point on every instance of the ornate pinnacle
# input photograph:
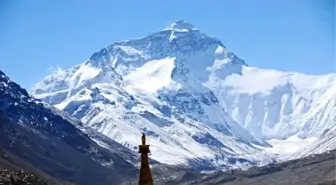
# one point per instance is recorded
(145, 177)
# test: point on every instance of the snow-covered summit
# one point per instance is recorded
(197, 57)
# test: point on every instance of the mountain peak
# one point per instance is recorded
(182, 25)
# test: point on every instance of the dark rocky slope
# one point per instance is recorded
(34, 134)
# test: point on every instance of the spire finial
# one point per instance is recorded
(143, 138)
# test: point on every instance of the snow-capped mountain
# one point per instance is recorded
(46, 140)
(198, 102)
(159, 84)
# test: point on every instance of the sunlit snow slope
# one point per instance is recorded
(289, 109)
(277, 105)
(158, 85)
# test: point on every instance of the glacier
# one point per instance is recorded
(288, 109)
(198, 103)
(276, 105)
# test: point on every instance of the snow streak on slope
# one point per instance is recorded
(158, 85)
(152, 77)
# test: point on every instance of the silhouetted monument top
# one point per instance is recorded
(144, 148)
(143, 138)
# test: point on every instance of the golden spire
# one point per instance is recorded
(145, 177)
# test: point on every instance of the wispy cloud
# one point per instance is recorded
(53, 69)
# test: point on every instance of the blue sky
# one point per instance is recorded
(289, 35)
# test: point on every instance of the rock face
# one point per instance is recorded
(158, 84)
(34, 134)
